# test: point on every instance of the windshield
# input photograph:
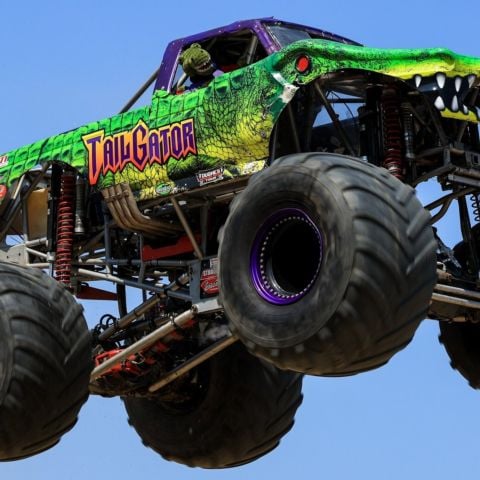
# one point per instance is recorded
(286, 35)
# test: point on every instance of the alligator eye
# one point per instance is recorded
(303, 64)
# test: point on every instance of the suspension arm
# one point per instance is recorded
(145, 342)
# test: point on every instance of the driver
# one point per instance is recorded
(198, 65)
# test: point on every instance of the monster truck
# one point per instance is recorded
(274, 207)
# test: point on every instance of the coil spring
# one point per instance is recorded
(392, 133)
(475, 199)
(65, 228)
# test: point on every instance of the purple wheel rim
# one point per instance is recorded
(286, 256)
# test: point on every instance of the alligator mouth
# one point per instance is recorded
(449, 94)
(204, 68)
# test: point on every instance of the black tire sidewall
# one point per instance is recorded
(5, 355)
(45, 355)
(326, 207)
(462, 344)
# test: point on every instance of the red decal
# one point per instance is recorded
(210, 176)
(209, 282)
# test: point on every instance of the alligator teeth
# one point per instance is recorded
(439, 103)
(450, 92)
(454, 107)
(458, 83)
(441, 77)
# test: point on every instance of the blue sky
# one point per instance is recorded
(63, 64)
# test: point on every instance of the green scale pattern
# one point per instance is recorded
(234, 115)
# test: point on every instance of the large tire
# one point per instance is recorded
(462, 344)
(45, 361)
(461, 253)
(462, 340)
(239, 412)
(327, 265)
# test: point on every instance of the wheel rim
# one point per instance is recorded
(286, 256)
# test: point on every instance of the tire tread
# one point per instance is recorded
(394, 291)
(48, 348)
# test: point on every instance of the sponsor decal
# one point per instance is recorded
(209, 284)
(163, 189)
(209, 176)
(139, 147)
(209, 277)
(3, 160)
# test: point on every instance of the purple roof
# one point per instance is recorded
(256, 25)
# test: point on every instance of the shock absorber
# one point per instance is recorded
(79, 206)
(65, 228)
(392, 132)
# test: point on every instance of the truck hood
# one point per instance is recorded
(445, 76)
